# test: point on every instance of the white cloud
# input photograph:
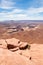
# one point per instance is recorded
(35, 10)
(6, 4)
(18, 14)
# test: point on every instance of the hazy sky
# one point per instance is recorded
(21, 10)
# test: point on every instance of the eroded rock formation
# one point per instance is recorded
(10, 52)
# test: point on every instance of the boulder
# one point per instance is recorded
(23, 45)
(13, 41)
(13, 44)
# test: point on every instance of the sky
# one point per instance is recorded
(21, 10)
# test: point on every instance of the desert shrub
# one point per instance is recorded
(29, 46)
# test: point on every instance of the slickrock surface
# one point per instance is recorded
(32, 56)
(36, 53)
(3, 44)
(9, 58)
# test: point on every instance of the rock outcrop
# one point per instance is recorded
(10, 52)
(13, 44)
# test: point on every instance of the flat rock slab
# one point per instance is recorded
(9, 58)
(12, 41)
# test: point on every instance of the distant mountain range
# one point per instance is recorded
(21, 21)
